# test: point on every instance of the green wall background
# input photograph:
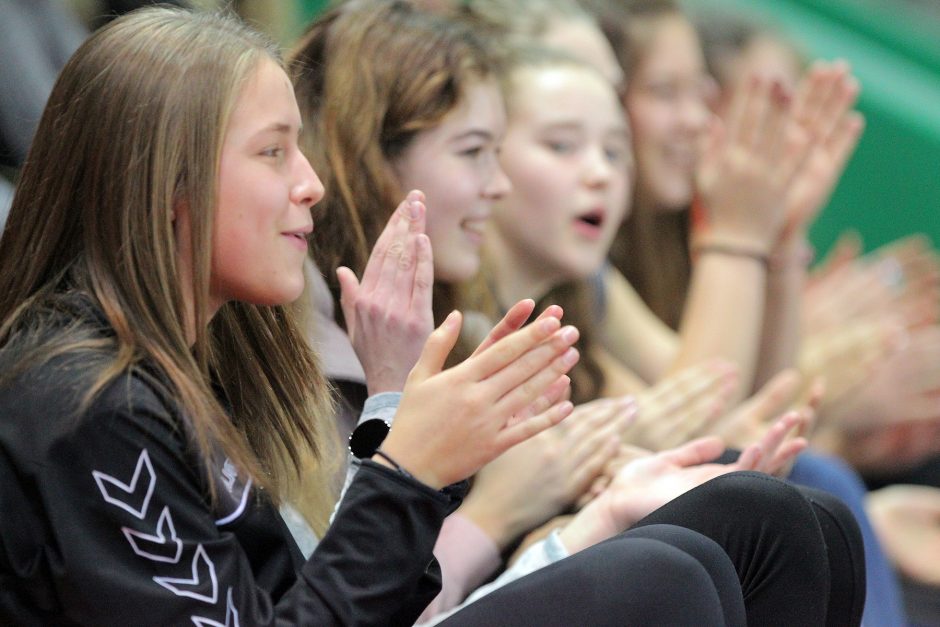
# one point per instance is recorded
(892, 185)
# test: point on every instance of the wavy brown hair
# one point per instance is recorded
(652, 247)
(134, 128)
(370, 75)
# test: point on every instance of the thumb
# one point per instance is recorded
(438, 346)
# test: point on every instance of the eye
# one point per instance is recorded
(616, 154)
(473, 152)
(273, 151)
(561, 146)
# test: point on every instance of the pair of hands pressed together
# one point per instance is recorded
(450, 422)
(771, 165)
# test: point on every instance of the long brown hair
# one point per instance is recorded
(133, 129)
(370, 75)
(652, 247)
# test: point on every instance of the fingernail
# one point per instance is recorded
(548, 324)
(570, 357)
(414, 209)
(570, 334)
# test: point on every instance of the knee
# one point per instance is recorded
(750, 493)
(652, 579)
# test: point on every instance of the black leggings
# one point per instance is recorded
(741, 549)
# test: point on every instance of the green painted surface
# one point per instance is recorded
(309, 9)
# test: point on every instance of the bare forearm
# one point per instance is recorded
(781, 333)
(724, 313)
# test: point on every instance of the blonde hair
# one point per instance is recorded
(578, 298)
(133, 129)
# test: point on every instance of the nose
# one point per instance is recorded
(597, 169)
(499, 184)
(307, 189)
(694, 113)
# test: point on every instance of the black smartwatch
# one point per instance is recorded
(368, 437)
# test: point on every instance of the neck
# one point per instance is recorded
(512, 273)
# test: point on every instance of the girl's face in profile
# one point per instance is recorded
(567, 153)
(266, 188)
(455, 164)
(667, 100)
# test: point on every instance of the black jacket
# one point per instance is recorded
(105, 519)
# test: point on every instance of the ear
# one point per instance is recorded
(180, 208)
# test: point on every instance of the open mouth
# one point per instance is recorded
(475, 228)
(594, 219)
(590, 223)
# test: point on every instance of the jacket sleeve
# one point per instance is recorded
(123, 532)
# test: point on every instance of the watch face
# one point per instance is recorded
(367, 437)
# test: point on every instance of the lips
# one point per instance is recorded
(299, 236)
(590, 223)
(475, 228)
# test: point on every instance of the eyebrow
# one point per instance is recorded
(620, 131)
(473, 133)
(280, 127)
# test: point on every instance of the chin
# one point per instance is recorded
(674, 200)
(453, 273)
(283, 295)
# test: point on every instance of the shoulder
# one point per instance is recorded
(50, 391)
(44, 407)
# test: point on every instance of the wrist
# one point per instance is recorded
(491, 522)
(396, 457)
(383, 381)
(792, 253)
(591, 525)
(732, 249)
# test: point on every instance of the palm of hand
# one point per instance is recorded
(648, 483)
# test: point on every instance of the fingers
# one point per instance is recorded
(840, 97)
(809, 94)
(741, 116)
(700, 451)
(348, 289)
(555, 392)
(778, 116)
(512, 435)
(423, 278)
(397, 276)
(592, 467)
(518, 392)
(377, 257)
(699, 391)
(771, 454)
(384, 259)
(846, 250)
(438, 347)
(512, 321)
(816, 90)
(509, 349)
(776, 394)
